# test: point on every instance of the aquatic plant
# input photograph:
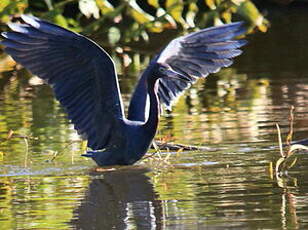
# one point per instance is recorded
(284, 163)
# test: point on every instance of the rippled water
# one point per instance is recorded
(45, 184)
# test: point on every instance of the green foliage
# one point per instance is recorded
(136, 20)
(8, 7)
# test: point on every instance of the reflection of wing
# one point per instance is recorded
(82, 74)
(198, 54)
(108, 204)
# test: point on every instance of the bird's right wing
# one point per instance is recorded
(81, 73)
(198, 54)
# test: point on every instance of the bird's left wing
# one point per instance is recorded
(81, 73)
(198, 54)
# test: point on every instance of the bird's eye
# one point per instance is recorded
(162, 69)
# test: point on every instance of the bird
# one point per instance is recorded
(84, 80)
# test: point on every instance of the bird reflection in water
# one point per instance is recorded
(120, 199)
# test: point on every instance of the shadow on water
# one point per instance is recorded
(120, 199)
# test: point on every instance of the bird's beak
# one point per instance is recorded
(175, 75)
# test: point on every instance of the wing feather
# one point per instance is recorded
(81, 74)
(198, 54)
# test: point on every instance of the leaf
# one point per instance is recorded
(238, 2)
(157, 27)
(191, 14)
(89, 8)
(49, 4)
(138, 14)
(60, 20)
(154, 3)
(250, 13)
(114, 35)
(3, 4)
(145, 35)
(211, 4)
(217, 21)
(9, 8)
(227, 16)
(104, 6)
(57, 17)
(175, 9)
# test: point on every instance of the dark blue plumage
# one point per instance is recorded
(194, 56)
(84, 80)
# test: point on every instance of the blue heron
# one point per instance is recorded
(84, 80)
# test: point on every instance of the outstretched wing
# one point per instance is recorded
(81, 74)
(198, 54)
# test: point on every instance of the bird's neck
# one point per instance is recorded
(137, 108)
(154, 111)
